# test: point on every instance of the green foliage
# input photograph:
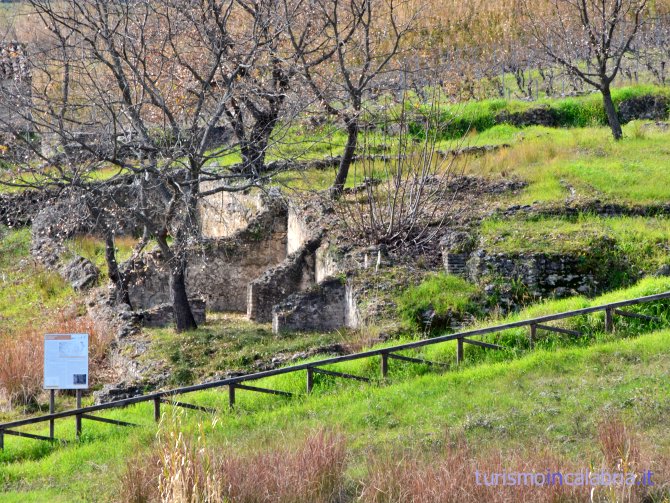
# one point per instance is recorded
(444, 294)
(457, 120)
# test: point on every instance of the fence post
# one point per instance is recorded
(310, 379)
(459, 350)
(2, 440)
(77, 418)
(609, 320)
(385, 365)
(52, 409)
(533, 333)
(231, 395)
(157, 409)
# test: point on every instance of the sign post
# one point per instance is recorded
(65, 367)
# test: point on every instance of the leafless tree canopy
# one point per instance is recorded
(345, 47)
(158, 90)
(589, 38)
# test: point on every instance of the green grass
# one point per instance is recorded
(586, 160)
(27, 291)
(442, 293)
(552, 397)
(459, 119)
(641, 241)
(227, 343)
(93, 248)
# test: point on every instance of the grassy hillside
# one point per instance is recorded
(495, 410)
(550, 398)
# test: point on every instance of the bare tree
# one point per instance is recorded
(589, 38)
(357, 40)
(405, 200)
(141, 89)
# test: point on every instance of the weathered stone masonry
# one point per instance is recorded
(219, 269)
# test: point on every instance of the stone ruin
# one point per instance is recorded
(260, 256)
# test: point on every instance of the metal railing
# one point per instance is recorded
(315, 367)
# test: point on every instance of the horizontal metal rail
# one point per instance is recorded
(233, 382)
(107, 420)
(339, 374)
(559, 330)
(421, 361)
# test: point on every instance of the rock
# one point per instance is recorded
(664, 270)
(119, 391)
(644, 107)
(472, 150)
(540, 116)
(163, 314)
(81, 273)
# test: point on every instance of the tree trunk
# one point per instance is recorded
(612, 117)
(183, 316)
(347, 157)
(253, 157)
(115, 275)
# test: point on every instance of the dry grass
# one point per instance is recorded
(22, 358)
(450, 476)
(182, 471)
(186, 471)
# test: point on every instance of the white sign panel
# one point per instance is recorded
(66, 361)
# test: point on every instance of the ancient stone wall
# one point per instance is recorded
(219, 270)
(225, 213)
(543, 274)
(295, 274)
(299, 231)
(330, 305)
(329, 262)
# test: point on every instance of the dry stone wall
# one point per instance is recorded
(542, 274)
(225, 213)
